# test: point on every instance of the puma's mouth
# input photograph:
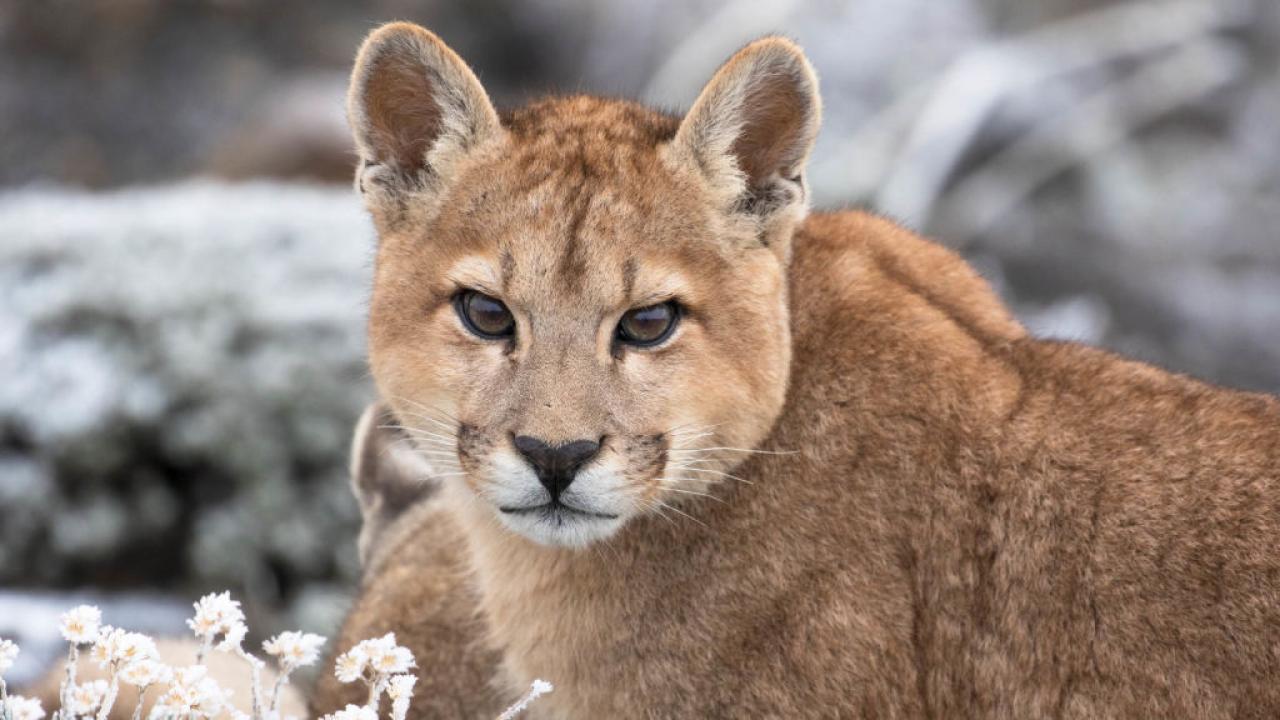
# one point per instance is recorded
(558, 524)
(553, 508)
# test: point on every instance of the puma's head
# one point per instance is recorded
(579, 310)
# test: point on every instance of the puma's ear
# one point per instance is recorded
(414, 107)
(387, 476)
(751, 129)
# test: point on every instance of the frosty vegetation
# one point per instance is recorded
(185, 369)
(191, 693)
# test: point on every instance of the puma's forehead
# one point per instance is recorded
(578, 202)
(603, 119)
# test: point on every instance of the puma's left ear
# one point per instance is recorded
(751, 129)
(414, 108)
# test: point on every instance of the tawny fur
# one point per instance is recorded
(948, 518)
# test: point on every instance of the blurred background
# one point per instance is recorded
(183, 266)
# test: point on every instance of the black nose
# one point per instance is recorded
(556, 465)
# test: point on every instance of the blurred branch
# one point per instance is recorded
(970, 90)
(1099, 122)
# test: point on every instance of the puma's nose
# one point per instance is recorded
(556, 464)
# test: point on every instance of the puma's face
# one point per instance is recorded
(579, 313)
(579, 336)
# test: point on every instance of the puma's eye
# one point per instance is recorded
(650, 325)
(485, 316)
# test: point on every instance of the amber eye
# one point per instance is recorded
(485, 316)
(648, 326)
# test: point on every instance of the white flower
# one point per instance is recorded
(234, 636)
(8, 653)
(350, 665)
(381, 655)
(401, 686)
(122, 649)
(192, 692)
(146, 672)
(294, 649)
(80, 624)
(87, 697)
(400, 690)
(386, 657)
(22, 708)
(354, 712)
(217, 614)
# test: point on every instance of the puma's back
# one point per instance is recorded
(700, 456)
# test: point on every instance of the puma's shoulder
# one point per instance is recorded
(859, 258)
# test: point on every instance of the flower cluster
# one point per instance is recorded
(21, 708)
(382, 665)
(218, 615)
(190, 693)
(85, 699)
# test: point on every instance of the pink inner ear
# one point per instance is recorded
(773, 136)
(403, 116)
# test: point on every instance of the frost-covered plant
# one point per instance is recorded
(217, 615)
(79, 626)
(116, 651)
(291, 650)
(8, 653)
(190, 693)
(17, 707)
(143, 675)
(377, 662)
(85, 699)
(536, 690)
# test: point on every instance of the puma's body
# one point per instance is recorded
(937, 516)
(971, 523)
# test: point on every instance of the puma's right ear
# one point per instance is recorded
(414, 107)
(750, 132)
(387, 476)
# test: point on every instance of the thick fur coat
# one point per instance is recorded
(897, 503)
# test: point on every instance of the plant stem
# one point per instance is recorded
(254, 664)
(110, 699)
(375, 692)
(204, 648)
(68, 684)
(275, 690)
(4, 701)
(137, 711)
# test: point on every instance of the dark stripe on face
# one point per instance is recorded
(507, 267)
(629, 278)
(573, 263)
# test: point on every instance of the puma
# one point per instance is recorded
(667, 440)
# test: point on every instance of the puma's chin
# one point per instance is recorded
(557, 524)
